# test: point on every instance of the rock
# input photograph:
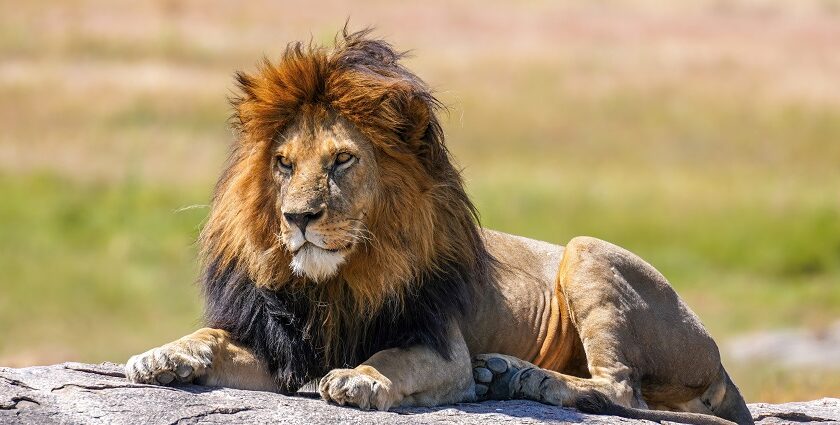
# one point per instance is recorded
(74, 393)
(795, 348)
(824, 411)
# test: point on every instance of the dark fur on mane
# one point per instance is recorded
(273, 323)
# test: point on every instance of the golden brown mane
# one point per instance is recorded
(423, 221)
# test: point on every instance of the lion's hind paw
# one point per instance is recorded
(494, 375)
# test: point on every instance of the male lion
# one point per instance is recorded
(341, 245)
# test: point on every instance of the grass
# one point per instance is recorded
(708, 149)
(769, 383)
(118, 276)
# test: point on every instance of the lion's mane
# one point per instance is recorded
(426, 258)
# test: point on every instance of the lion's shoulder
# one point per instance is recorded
(514, 252)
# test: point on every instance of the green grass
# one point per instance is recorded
(94, 272)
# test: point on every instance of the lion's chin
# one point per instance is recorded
(316, 263)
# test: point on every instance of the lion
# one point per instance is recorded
(342, 247)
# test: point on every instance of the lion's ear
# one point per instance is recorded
(418, 117)
(421, 131)
(245, 91)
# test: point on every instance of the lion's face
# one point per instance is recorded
(324, 173)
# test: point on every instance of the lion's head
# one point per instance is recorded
(339, 182)
(326, 178)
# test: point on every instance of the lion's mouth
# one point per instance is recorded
(313, 245)
(315, 262)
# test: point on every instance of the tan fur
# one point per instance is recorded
(207, 356)
(642, 346)
(395, 377)
(566, 322)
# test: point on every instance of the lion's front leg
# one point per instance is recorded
(416, 376)
(207, 356)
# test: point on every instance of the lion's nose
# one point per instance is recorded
(303, 218)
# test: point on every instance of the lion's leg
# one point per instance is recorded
(417, 376)
(208, 357)
(502, 377)
(598, 315)
(642, 343)
(636, 330)
(626, 313)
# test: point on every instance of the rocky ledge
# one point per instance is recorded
(74, 393)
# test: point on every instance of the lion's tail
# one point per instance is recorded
(722, 398)
(599, 404)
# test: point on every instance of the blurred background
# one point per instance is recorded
(703, 135)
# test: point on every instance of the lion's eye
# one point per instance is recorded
(284, 164)
(343, 160)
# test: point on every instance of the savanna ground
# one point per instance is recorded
(704, 136)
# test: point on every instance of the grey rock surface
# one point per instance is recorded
(74, 393)
(796, 348)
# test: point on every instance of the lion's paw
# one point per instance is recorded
(181, 361)
(496, 375)
(363, 387)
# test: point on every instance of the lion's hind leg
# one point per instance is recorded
(502, 377)
(636, 333)
(636, 330)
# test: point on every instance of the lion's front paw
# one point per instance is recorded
(364, 387)
(177, 362)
